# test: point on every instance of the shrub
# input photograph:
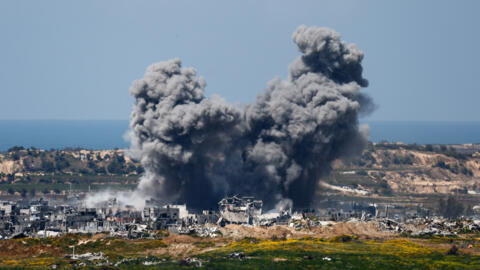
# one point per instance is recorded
(344, 238)
(453, 250)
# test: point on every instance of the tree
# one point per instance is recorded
(48, 166)
(441, 164)
(44, 181)
(116, 167)
(100, 170)
(131, 168)
(23, 192)
(11, 191)
(32, 192)
(140, 169)
(15, 156)
(120, 159)
(15, 148)
(362, 173)
(61, 163)
(92, 165)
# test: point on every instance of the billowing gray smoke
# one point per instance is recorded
(196, 149)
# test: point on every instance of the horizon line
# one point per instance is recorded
(361, 121)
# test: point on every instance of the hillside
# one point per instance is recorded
(54, 171)
(384, 169)
(388, 168)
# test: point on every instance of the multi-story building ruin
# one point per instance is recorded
(239, 210)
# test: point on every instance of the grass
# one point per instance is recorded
(337, 254)
(341, 252)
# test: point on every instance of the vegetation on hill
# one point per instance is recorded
(54, 171)
(384, 169)
(389, 168)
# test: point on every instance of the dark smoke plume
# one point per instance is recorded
(196, 149)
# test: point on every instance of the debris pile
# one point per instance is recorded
(430, 226)
(235, 210)
(237, 255)
(40, 219)
(390, 225)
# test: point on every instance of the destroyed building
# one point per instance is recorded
(159, 218)
(52, 218)
(239, 210)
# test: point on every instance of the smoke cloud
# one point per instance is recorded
(196, 150)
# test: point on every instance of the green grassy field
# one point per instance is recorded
(341, 252)
(323, 254)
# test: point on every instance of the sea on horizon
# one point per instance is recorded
(110, 134)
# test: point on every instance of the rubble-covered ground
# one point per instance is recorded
(374, 244)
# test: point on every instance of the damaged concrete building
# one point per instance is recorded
(51, 218)
(241, 210)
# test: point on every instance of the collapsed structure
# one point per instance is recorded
(239, 210)
(41, 218)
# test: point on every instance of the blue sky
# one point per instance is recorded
(76, 59)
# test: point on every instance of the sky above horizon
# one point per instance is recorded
(77, 59)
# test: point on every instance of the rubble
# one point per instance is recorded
(237, 255)
(89, 256)
(192, 262)
(239, 210)
(438, 226)
(149, 263)
(390, 225)
(46, 219)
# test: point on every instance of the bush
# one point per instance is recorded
(100, 170)
(48, 166)
(140, 169)
(16, 148)
(343, 238)
(44, 181)
(362, 173)
(61, 163)
(15, 156)
(116, 167)
(453, 250)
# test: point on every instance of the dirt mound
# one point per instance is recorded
(238, 232)
(25, 248)
(182, 246)
(366, 230)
